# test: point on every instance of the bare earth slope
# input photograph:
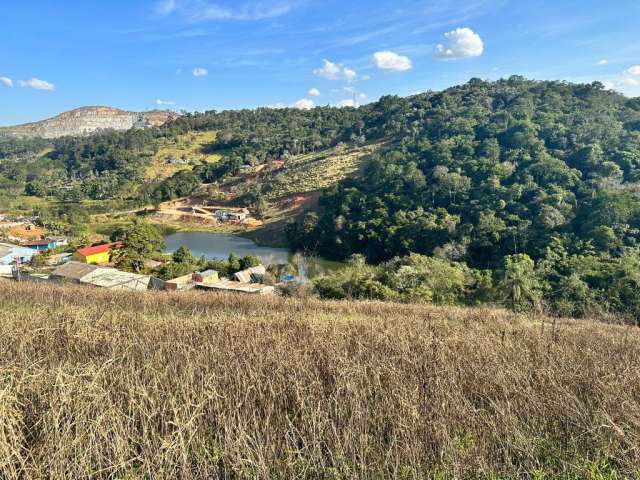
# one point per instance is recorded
(96, 384)
(87, 120)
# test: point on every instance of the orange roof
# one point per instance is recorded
(107, 247)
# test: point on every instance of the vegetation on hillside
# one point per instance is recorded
(114, 385)
(498, 176)
(529, 188)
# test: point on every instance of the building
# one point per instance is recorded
(114, 279)
(110, 278)
(181, 283)
(59, 241)
(9, 254)
(97, 255)
(208, 276)
(231, 215)
(72, 272)
(40, 244)
(238, 287)
(59, 259)
(253, 274)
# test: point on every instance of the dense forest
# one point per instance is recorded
(525, 191)
(534, 181)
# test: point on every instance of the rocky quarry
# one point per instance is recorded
(88, 120)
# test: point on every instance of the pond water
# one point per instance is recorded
(219, 245)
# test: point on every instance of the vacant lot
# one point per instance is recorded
(101, 385)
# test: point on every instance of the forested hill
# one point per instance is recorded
(534, 182)
(486, 170)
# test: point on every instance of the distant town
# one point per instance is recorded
(29, 253)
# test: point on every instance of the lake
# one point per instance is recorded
(219, 245)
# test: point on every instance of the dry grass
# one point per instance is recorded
(316, 171)
(189, 146)
(95, 384)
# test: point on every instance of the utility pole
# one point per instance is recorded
(18, 261)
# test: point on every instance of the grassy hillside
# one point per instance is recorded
(102, 385)
(187, 146)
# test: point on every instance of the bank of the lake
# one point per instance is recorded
(220, 245)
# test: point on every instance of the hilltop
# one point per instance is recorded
(101, 384)
(88, 120)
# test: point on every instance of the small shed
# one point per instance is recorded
(181, 283)
(72, 272)
(114, 279)
(253, 274)
(238, 287)
(208, 276)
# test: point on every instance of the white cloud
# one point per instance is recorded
(604, 61)
(391, 61)
(200, 72)
(165, 102)
(6, 81)
(37, 84)
(349, 74)
(329, 70)
(314, 92)
(461, 43)
(178, 71)
(633, 71)
(631, 77)
(333, 71)
(365, 77)
(304, 104)
(165, 7)
(362, 96)
(205, 10)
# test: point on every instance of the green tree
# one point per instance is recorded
(519, 284)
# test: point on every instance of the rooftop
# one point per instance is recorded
(107, 247)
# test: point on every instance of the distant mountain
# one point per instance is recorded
(88, 120)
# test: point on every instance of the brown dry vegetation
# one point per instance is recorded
(96, 384)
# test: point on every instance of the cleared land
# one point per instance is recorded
(316, 171)
(101, 385)
(188, 146)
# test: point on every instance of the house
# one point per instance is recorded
(208, 276)
(114, 279)
(48, 244)
(181, 283)
(9, 254)
(229, 286)
(72, 272)
(59, 259)
(59, 241)
(231, 215)
(40, 244)
(96, 255)
(253, 274)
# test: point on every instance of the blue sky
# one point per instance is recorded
(222, 54)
